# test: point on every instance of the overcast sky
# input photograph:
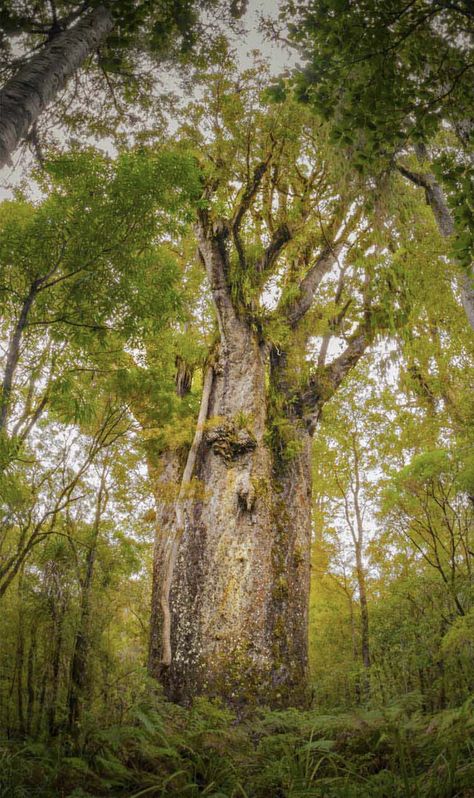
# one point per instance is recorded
(278, 57)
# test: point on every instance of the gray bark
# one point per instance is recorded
(444, 220)
(165, 478)
(13, 354)
(239, 588)
(221, 594)
(26, 95)
(172, 543)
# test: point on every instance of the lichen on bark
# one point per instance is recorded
(239, 594)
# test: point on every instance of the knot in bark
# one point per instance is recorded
(230, 442)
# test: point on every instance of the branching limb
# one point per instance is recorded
(324, 384)
(436, 199)
(279, 239)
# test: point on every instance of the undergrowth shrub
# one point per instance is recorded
(165, 750)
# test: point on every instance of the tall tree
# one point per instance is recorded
(61, 37)
(395, 81)
(234, 571)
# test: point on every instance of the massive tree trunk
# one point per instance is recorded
(27, 94)
(239, 591)
(239, 586)
(231, 577)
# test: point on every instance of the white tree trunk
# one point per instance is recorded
(27, 94)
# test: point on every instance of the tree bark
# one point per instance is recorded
(164, 480)
(13, 353)
(28, 93)
(221, 593)
(238, 593)
(436, 199)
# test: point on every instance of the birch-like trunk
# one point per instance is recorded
(436, 199)
(27, 94)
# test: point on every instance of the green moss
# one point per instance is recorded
(282, 435)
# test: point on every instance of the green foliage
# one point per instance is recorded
(164, 750)
(117, 89)
(384, 73)
(394, 79)
(119, 307)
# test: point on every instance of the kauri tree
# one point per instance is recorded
(276, 229)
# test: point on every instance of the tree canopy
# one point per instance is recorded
(236, 408)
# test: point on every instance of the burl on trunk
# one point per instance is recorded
(232, 561)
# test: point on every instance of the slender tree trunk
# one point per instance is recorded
(364, 620)
(13, 354)
(20, 658)
(30, 680)
(41, 702)
(28, 93)
(436, 199)
(359, 538)
(55, 664)
(80, 659)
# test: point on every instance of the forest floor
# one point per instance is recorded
(165, 750)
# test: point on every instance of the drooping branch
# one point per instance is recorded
(436, 199)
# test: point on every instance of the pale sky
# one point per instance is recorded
(278, 57)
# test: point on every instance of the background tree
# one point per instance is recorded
(395, 83)
(112, 39)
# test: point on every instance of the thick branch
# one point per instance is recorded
(324, 384)
(311, 282)
(212, 244)
(280, 237)
(434, 197)
(245, 203)
(437, 201)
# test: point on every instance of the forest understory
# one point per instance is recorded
(237, 399)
